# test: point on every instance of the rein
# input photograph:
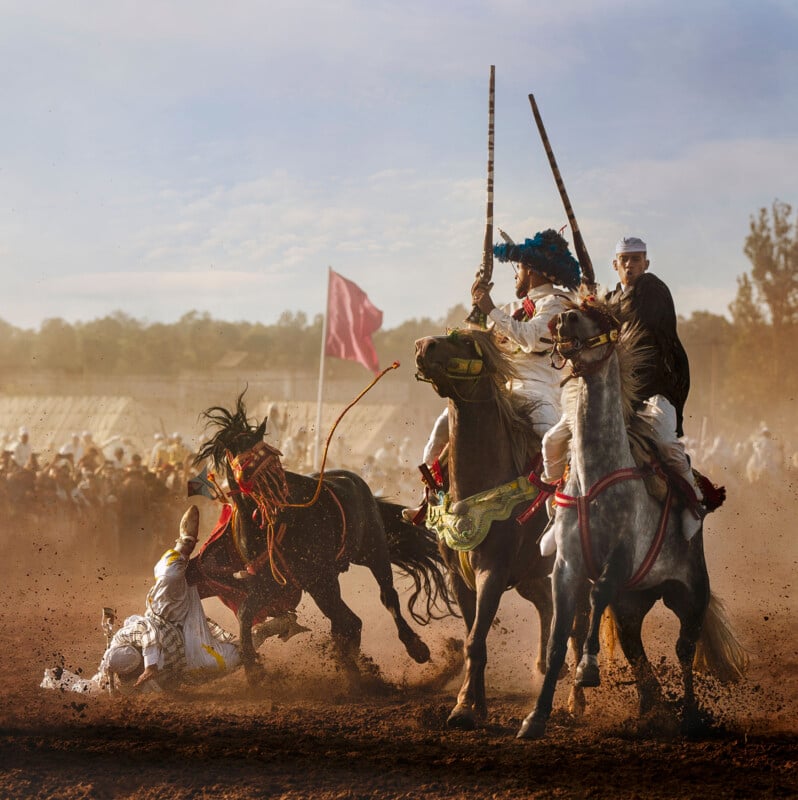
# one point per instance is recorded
(565, 349)
(260, 475)
(582, 505)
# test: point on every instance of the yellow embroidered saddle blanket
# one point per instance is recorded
(463, 525)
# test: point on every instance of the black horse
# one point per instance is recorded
(290, 533)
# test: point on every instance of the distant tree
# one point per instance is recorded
(455, 316)
(763, 355)
(745, 310)
(708, 339)
(772, 248)
(57, 347)
(15, 346)
(100, 344)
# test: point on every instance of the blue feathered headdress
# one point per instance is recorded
(548, 254)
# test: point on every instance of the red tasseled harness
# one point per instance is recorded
(287, 599)
(582, 505)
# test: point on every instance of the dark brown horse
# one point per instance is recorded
(489, 447)
(291, 535)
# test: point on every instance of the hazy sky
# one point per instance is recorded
(161, 157)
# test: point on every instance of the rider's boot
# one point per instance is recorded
(694, 511)
(548, 546)
(434, 478)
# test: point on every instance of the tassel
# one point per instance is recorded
(714, 496)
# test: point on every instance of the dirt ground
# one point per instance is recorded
(304, 735)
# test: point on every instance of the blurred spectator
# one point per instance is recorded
(72, 448)
(21, 450)
(178, 452)
(159, 455)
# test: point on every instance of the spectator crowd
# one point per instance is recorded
(104, 496)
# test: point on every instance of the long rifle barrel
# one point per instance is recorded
(485, 272)
(588, 276)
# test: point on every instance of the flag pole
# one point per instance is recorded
(317, 445)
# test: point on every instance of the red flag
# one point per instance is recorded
(351, 320)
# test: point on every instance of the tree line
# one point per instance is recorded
(737, 365)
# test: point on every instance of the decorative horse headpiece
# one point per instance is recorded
(260, 475)
(464, 368)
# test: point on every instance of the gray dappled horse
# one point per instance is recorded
(296, 535)
(614, 532)
(490, 445)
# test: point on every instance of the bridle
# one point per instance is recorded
(461, 370)
(567, 349)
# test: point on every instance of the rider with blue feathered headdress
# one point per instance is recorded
(545, 275)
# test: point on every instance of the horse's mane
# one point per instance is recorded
(500, 369)
(631, 355)
(234, 432)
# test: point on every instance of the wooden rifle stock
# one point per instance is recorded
(588, 276)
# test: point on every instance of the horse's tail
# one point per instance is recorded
(414, 550)
(608, 631)
(719, 652)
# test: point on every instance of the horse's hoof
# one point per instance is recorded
(532, 728)
(418, 651)
(587, 676)
(576, 702)
(462, 719)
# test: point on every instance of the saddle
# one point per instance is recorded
(660, 475)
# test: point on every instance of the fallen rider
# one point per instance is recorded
(173, 643)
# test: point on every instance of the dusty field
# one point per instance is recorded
(304, 736)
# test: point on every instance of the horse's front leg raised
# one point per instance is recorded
(471, 702)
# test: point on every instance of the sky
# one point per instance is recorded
(159, 158)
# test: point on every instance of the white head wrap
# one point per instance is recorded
(630, 244)
(123, 659)
(23, 430)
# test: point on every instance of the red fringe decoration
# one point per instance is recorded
(714, 496)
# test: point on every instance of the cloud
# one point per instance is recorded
(271, 141)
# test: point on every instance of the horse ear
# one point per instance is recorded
(261, 430)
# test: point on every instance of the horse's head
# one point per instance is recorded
(464, 365)
(234, 434)
(252, 467)
(585, 335)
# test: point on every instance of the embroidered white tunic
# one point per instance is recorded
(539, 381)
